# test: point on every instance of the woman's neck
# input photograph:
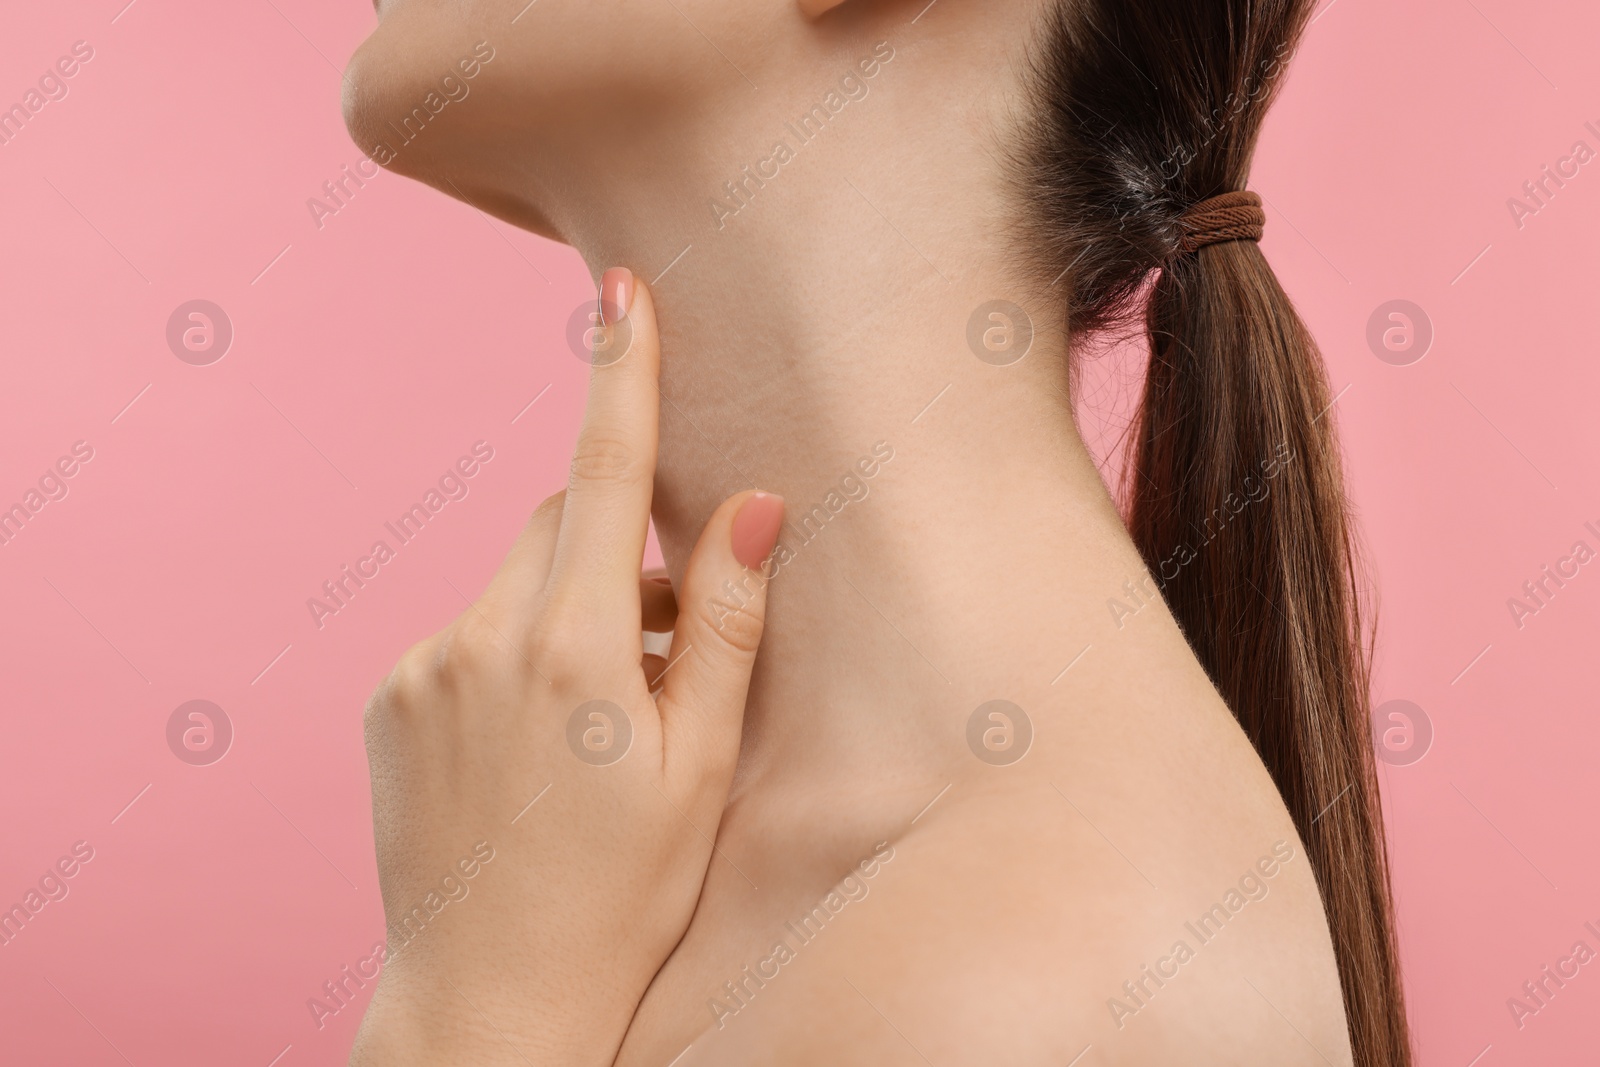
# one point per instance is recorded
(949, 540)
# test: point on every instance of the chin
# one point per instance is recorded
(494, 111)
(408, 93)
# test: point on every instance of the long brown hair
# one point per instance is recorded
(1235, 498)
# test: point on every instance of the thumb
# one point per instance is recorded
(721, 611)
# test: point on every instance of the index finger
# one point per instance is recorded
(607, 513)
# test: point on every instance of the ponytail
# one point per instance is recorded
(1236, 460)
(1235, 498)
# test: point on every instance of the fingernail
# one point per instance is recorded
(616, 295)
(755, 528)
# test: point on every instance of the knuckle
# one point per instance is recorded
(412, 676)
(472, 649)
(406, 687)
(736, 626)
(607, 460)
(566, 636)
(556, 649)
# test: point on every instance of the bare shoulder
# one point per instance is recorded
(1036, 921)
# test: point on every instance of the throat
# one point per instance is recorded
(947, 539)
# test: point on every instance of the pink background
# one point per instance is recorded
(375, 351)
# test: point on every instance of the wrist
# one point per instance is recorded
(429, 1022)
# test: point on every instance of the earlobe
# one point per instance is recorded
(813, 8)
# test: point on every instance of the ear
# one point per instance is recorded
(813, 8)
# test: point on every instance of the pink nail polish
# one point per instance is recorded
(755, 528)
(616, 295)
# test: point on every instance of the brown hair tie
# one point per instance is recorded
(1229, 217)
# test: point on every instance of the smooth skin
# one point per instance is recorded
(826, 319)
(585, 891)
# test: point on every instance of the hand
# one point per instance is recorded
(543, 823)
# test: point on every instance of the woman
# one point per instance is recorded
(983, 799)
